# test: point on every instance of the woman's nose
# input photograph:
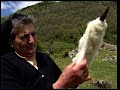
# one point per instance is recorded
(31, 39)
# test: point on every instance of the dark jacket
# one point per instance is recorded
(17, 73)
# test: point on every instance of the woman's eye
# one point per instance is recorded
(33, 34)
(24, 36)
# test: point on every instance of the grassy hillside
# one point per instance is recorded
(66, 21)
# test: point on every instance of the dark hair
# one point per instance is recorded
(6, 31)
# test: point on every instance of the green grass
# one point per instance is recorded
(55, 47)
(61, 62)
(99, 69)
(63, 45)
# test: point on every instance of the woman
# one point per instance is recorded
(27, 69)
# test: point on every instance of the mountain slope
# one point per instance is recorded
(66, 21)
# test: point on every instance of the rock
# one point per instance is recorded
(102, 84)
(73, 53)
(104, 45)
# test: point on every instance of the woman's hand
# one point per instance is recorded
(73, 75)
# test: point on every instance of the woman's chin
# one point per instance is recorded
(30, 53)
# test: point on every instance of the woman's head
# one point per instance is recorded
(6, 28)
(22, 37)
(18, 24)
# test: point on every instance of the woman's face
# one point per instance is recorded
(25, 41)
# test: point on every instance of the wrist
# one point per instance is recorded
(57, 85)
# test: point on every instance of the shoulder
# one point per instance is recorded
(11, 59)
(7, 62)
(9, 56)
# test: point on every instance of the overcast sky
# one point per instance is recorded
(9, 7)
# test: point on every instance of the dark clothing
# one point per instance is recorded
(17, 73)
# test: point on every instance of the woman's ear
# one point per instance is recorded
(11, 43)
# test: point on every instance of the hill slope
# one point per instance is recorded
(66, 21)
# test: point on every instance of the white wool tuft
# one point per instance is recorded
(91, 41)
